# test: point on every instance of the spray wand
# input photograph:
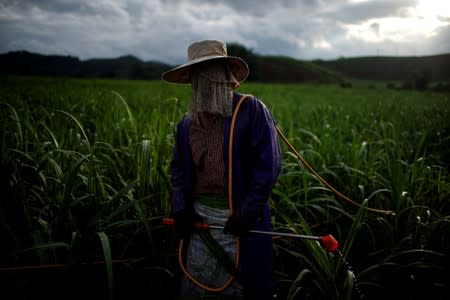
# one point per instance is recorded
(327, 241)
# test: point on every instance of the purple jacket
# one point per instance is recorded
(256, 166)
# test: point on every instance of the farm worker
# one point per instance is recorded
(200, 170)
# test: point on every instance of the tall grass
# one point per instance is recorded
(382, 149)
(84, 178)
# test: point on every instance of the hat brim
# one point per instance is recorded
(181, 74)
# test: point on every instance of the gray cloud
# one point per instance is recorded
(162, 29)
(375, 28)
(359, 11)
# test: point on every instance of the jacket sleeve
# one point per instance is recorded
(264, 163)
(177, 173)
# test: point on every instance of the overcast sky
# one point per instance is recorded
(162, 29)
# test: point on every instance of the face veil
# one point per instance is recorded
(212, 90)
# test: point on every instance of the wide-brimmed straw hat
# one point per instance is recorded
(203, 51)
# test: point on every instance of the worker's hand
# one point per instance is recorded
(184, 221)
(237, 225)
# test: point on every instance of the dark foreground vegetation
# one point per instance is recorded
(84, 186)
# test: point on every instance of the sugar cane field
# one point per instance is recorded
(85, 186)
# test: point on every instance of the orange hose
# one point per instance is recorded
(325, 183)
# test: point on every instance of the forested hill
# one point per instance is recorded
(27, 63)
(437, 67)
(263, 68)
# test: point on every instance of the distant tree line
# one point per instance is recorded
(31, 64)
(399, 72)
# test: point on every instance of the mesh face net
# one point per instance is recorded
(212, 89)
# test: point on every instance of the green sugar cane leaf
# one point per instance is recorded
(22, 154)
(69, 179)
(78, 124)
(15, 117)
(144, 168)
(52, 135)
(141, 214)
(47, 246)
(108, 261)
(120, 194)
(130, 115)
(120, 224)
(296, 286)
(349, 285)
(218, 251)
(74, 247)
(56, 167)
